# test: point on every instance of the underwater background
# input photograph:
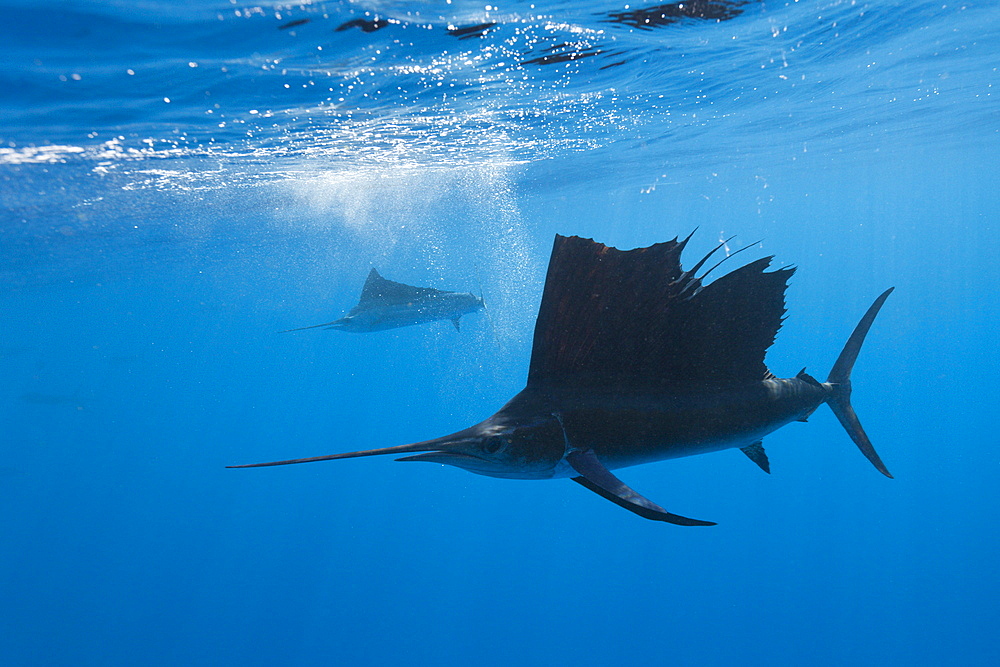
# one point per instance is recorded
(180, 181)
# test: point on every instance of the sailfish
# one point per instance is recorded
(386, 304)
(637, 360)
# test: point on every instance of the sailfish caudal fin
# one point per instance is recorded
(840, 378)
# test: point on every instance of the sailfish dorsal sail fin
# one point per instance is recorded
(380, 291)
(637, 319)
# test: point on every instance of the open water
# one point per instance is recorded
(180, 181)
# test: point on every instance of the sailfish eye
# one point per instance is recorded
(494, 444)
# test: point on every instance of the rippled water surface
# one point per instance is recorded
(460, 83)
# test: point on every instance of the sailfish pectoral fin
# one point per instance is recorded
(599, 479)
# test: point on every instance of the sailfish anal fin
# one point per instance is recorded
(755, 452)
(599, 479)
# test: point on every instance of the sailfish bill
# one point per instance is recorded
(635, 360)
(385, 304)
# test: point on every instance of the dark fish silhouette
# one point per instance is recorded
(471, 31)
(385, 304)
(365, 25)
(293, 24)
(658, 16)
(636, 360)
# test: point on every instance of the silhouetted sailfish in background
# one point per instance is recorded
(385, 304)
(636, 360)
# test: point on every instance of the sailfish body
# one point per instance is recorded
(386, 304)
(636, 360)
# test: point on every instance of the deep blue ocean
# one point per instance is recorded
(182, 180)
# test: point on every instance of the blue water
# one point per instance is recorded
(181, 180)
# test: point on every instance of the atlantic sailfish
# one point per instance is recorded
(637, 360)
(385, 304)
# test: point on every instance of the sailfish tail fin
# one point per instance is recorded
(840, 378)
